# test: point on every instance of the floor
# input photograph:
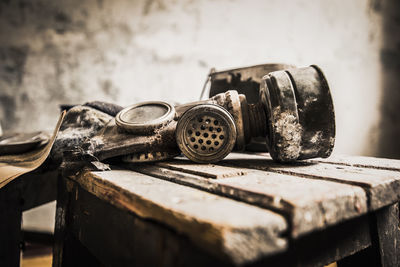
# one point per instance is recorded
(37, 255)
(39, 261)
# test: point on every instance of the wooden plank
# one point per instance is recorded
(117, 237)
(334, 243)
(363, 162)
(311, 204)
(346, 160)
(209, 220)
(205, 170)
(382, 186)
(308, 204)
(385, 241)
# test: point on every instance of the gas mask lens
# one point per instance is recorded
(145, 117)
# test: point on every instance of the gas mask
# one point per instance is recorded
(292, 110)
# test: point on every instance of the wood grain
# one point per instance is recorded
(205, 170)
(308, 204)
(247, 207)
(363, 162)
(220, 225)
(382, 186)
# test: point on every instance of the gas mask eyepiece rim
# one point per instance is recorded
(206, 133)
(129, 125)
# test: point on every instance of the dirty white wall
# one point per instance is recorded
(122, 51)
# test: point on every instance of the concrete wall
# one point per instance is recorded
(122, 51)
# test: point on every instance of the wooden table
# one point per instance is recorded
(246, 210)
(27, 191)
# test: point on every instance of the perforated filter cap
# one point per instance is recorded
(206, 133)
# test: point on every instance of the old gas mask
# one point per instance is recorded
(293, 112)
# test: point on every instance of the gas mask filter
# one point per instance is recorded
(206, 133)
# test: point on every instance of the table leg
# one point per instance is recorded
(388, 235)
(68, 251)
(385, 236)
(10, 228)
(63, 196)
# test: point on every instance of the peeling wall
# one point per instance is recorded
(67, 52)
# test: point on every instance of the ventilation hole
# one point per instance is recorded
(205, 135)
(211, 149)
(211, 128)
(214, 136)
(192, 139)
(208, 121)
(208, 142)
(203, 127)
(199, 119)
(190, 132)
(197, 133)
(194, 125)
(146, 156)
(216, 122)
(218, 129)
(196, 146)
(200, 141)
(203, 148)
(221, 137)
(216, 143)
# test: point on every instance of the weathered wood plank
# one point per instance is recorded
(382, 186)
(363, 162)
(206, 170)
(209, 220)
(385, 241)
(354, 161)
(334, 243)
(117, 237)
(309, 204)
